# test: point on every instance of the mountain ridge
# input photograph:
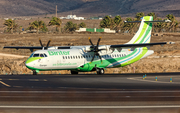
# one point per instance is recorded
(88, 7)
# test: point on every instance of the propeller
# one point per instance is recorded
(46, 45)
(95, 49)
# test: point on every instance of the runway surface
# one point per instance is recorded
(90, 93)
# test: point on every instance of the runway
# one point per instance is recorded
(90, 93)
(117, 81)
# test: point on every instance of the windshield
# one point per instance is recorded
(32, 55)
(38, 55)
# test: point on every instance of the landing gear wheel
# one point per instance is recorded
(74, 72)
(34, 72)
(100, 71)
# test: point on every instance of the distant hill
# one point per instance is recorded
(88, 7)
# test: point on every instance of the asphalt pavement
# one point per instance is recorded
(141, 92)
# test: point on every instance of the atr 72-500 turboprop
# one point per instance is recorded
(93, 57)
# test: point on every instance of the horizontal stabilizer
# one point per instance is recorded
(141, 45)
(148, 21)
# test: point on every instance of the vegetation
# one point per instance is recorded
(139, 16)
(118, 24)
(82, 25)
(107, 22)
(56, 22)
(128, 26)
(115, 23)
(11, 25)
(70, 27)
(38, 25)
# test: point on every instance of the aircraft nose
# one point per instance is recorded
(30, 63)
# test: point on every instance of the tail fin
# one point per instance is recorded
(143, 35)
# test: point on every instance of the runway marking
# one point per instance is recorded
(88, 91)
(89, 107)
(152, 81)
(33, 79)
(17, 86)
(13, 79)
(5, 84)
(25, 79)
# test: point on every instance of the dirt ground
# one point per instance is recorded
(165, 59)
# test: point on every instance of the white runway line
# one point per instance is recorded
(89, 107)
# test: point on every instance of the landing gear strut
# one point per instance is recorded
(34, 72)
(100, 71)
(74, 72)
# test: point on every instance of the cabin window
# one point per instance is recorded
(79, 57)
(76, 57)
(68, 57)
(114, 55)
(71, 57)
(65, 57)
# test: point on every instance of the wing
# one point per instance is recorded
(140, 45)
(19, 47)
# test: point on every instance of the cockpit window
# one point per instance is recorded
(41, 55)
(45, 55)
(32, 55)
(36, 55)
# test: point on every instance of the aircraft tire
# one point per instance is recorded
(100, 71)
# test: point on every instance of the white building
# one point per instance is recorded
(72, 17)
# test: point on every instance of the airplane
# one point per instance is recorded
(92, 57)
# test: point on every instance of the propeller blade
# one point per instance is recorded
(93, 57)
(91, 42)
(40, 42)
(99, 57)
(98, 43)
(48, 44)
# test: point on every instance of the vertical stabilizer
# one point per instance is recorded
(143, 35)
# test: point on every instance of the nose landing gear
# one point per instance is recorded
(34, 72)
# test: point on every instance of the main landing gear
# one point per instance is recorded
(74, 72)
(100, 71)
